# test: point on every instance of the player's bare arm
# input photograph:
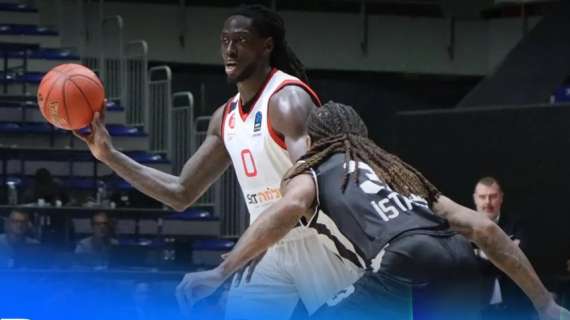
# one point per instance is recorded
(288, 111)
(500, 249)
(178, 192)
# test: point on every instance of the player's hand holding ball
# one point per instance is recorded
(72, 97)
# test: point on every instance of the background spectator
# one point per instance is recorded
(15, 242)
(44, 186)
(95, 250)
(503, 297)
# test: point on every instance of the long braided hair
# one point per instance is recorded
(268, 23)
(336, 128)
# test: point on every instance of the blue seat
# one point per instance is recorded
(119, 130)
(139, 244)
(64, 155)
(8, 78)
(14, 104)
(30, 102)
(44, 53)
(113, 106)
(79, 183)
(119, 184)
(25, 127)
(147, 157)
(53, 54)
(17, 7)
(10, 127)
(192, 214)
(18, 182)
(26, 29)
(31, 77)
(9, 48)
(28, 77)
(213, 244)
(562, 94)
(75, 182)
(116, 130)
(17, 98)
(21, 182)
(38, 127)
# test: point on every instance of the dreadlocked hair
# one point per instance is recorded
(336, 128)
(268, 23)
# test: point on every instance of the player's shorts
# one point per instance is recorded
(297, 267)
(420, 277)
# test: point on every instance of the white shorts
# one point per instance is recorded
(297, 267)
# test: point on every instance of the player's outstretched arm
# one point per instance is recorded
(502, 252)
(271, 226)
(178, 192)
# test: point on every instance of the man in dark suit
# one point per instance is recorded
(503, 298)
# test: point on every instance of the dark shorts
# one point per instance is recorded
(420, 277)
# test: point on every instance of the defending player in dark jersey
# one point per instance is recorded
(414, 261)
(383, 215)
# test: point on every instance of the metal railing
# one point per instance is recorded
(70, 21)
(113, 68)
(123, 68)
(199, 133)
(182, 128)
(230, 205)
(91, 34)
(136, 98)
(158, 115)
(225, 194)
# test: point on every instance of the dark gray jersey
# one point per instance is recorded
(364, 218)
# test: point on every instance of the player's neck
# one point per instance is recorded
(249, 88)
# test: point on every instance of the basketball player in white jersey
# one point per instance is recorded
(261, 132)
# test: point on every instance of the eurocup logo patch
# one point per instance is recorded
(257, 123)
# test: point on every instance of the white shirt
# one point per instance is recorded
(259, 154)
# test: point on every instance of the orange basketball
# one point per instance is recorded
(69, 95)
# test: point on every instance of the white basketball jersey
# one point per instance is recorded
(259, 154)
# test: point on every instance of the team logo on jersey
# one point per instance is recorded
(269, 194)
(257, 123)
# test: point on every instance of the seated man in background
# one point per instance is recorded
(501, 295)
(44, 189)
(15, 241)
(95, 250)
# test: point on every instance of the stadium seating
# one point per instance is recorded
(28, 142)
